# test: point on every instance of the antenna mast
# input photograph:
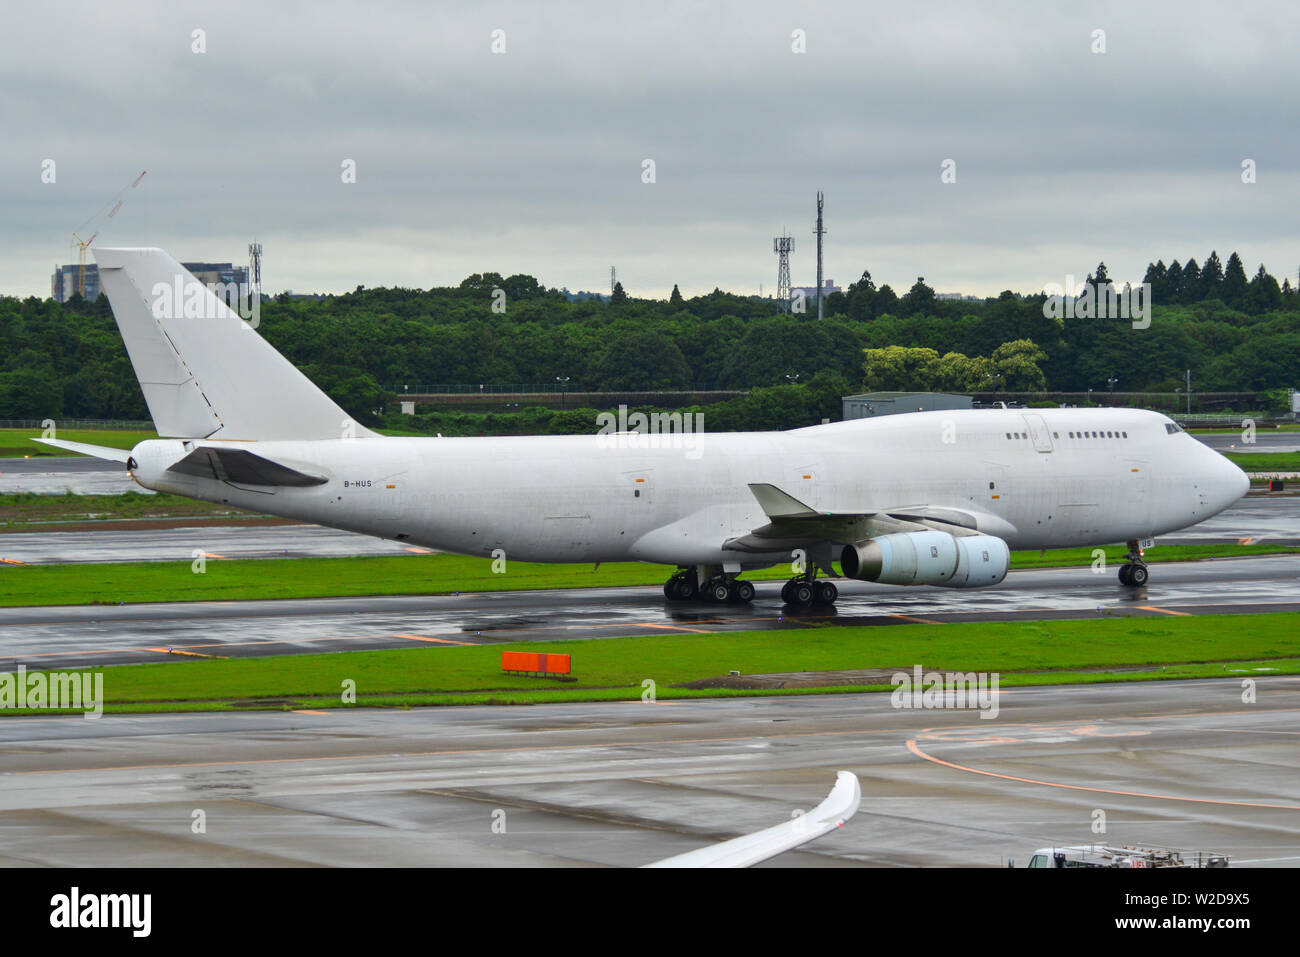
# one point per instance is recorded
(783, 246)
(819, 232)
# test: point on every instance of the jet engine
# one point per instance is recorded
(928, 558)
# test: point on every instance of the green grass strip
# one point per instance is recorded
(1023, 653)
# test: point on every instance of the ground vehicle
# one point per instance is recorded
(1104, 855)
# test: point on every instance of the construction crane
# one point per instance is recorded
(84, 244)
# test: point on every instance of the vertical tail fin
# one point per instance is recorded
(205, 372)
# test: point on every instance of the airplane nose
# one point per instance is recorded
(1232, 481)
(1242, 483)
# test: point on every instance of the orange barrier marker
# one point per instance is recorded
(527, 662)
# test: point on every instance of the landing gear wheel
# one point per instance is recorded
(685, 589)
(1133, 576)
(670, 589)
(825, 593)
(743, 591)
(786, 597)
(719, 591)
(801, 593)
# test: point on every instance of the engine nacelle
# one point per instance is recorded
(982, 560)
(928, 558)
(904, 558)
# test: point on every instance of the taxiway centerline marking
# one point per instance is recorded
(694, 631)
(911, 746)
(441, 641)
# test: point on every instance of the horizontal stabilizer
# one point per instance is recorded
(840, 805)
(98, 451)
(242, 467)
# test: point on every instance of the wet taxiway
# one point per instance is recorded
(1179, 763)
(71, 636)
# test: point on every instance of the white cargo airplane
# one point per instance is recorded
(932, 498)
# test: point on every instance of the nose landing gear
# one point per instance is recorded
(1133, 574)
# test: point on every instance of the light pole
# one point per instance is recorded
(564, 389)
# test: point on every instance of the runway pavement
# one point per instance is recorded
(1184, 764)
(72, 636)
(179, 544)
(57, 474)
(1265, 441)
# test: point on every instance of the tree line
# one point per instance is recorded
(67, 360)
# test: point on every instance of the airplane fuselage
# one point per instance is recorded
(1048, 478)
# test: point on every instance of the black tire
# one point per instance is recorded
(826, 593)
(785, 593)
(1124, 578)
(720, 591)
(670, 589)
(801, 594)
(686, 590)
(744, 592)
(1137, 576)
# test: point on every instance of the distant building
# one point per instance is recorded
(63, 284)
(868, 405)
(810, 292)
(959, 296)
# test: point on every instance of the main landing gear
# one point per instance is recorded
(1133, 574)
(717, 588)
(808, 591)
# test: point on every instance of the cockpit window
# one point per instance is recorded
(1173, 427)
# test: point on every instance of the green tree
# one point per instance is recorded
(1173, 284)
(861, 297)
(1234, 282)
(675, 299)
(640, 360)
(1212, 278)
(919, 299)
(1263, 294)
(899, 368)
(618, 297)
(1017, 364)
(30, 394)
(1189, 290)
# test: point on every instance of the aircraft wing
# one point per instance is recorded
(748, 850)
(792, 524)
(82, 448)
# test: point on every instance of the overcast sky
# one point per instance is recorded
(531, 160)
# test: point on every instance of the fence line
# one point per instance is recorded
(106, 424)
